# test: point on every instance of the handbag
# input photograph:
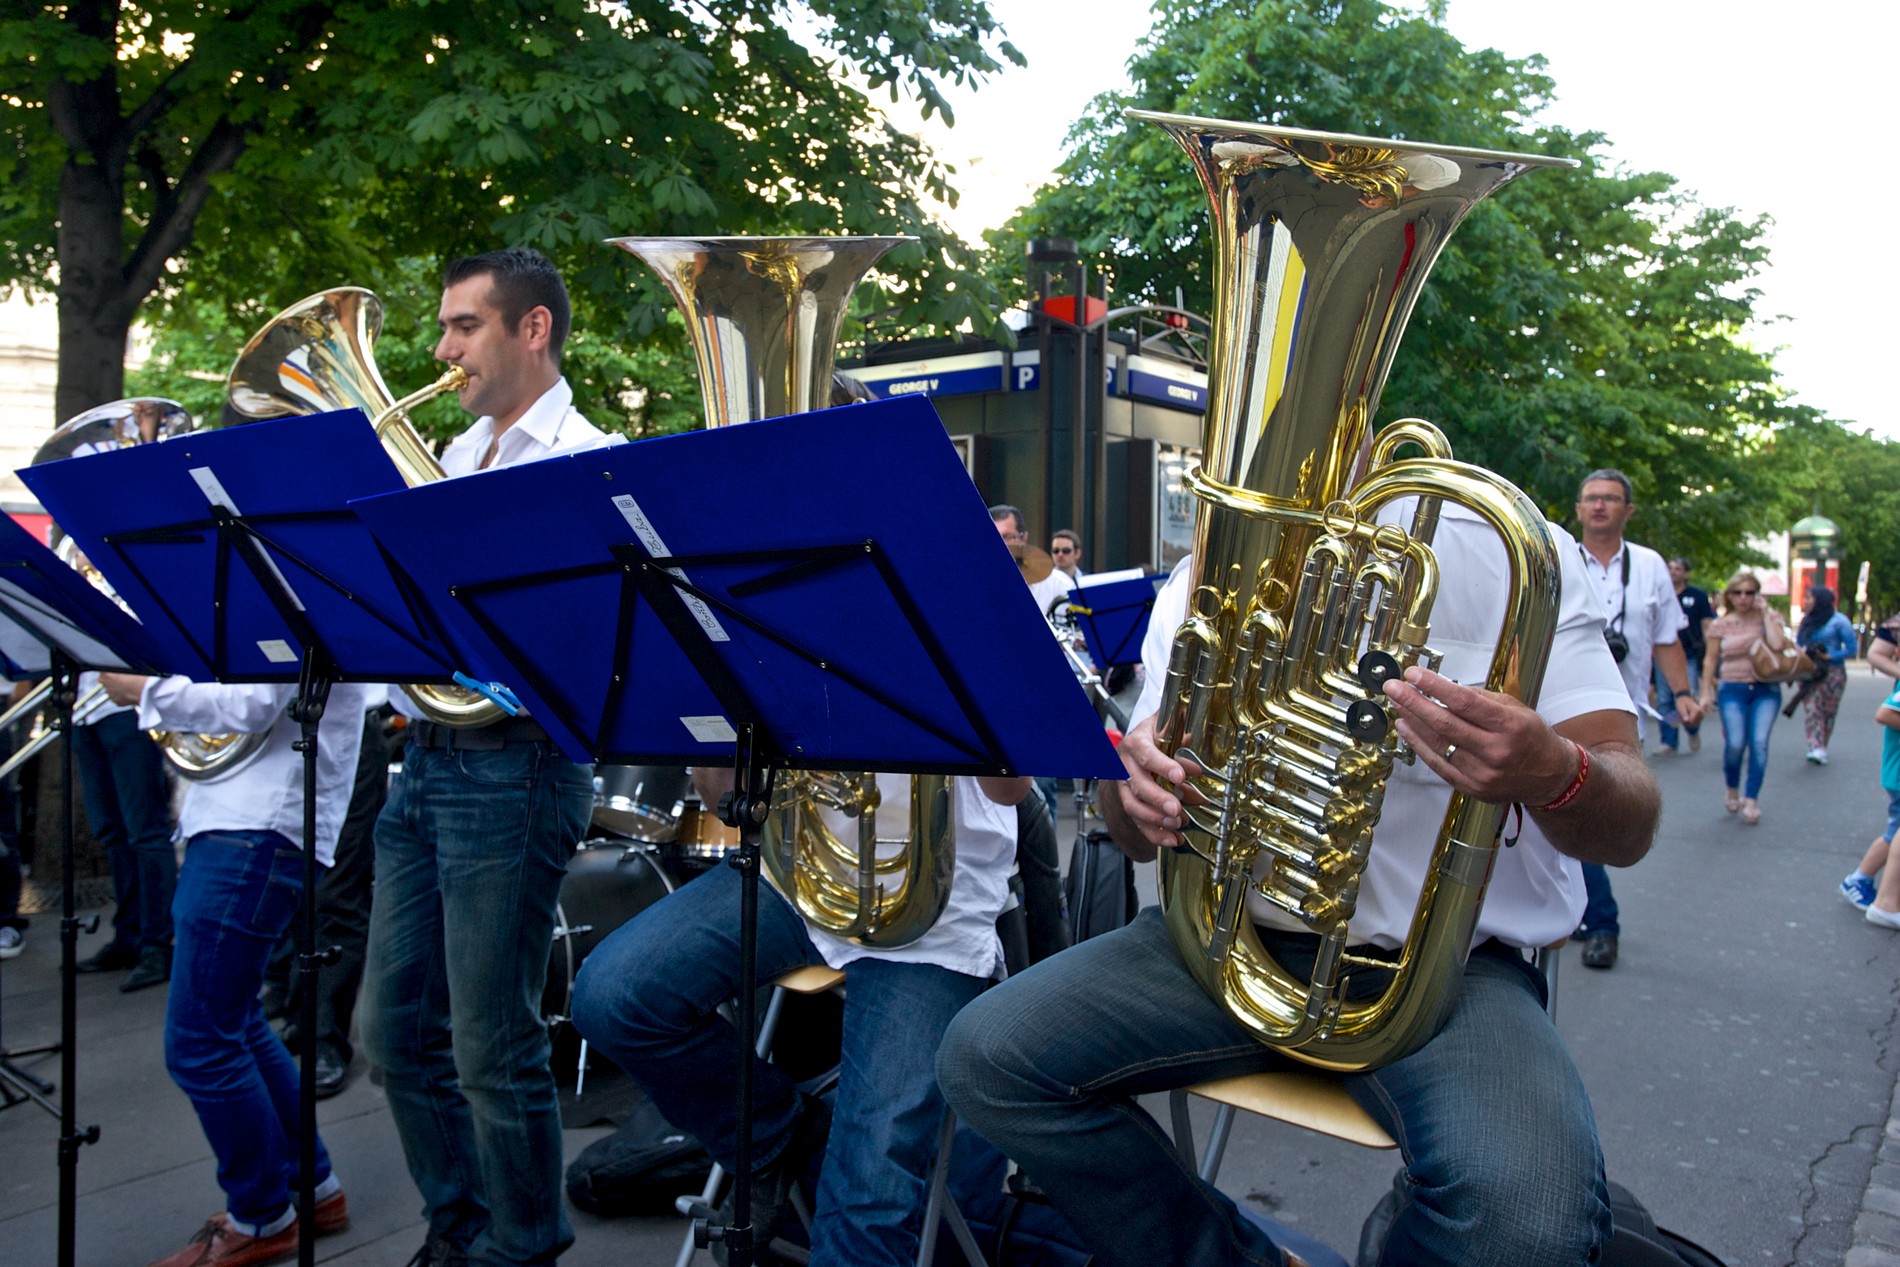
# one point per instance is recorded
(1786, 663)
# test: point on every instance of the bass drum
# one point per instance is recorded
(608, 882)
(640, 802)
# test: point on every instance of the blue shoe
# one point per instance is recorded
(1859, 891)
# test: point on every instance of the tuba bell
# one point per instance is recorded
(763, 316)
(120, 424)
(313, 357)
(1304, 603)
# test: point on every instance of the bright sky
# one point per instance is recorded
(1735, 98)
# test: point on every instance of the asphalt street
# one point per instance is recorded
(1738, 1057)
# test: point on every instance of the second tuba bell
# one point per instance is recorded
(763, 315)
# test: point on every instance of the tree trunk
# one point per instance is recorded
(94, 314)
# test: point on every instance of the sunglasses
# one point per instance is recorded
(1061, 549)
(1743, 593)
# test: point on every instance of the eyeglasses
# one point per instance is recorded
(1743, 593)
(1061, 549)
(1601, 499)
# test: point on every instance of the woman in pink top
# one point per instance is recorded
(1748, 706)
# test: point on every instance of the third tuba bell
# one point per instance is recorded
(1304, 603)
(763, 315)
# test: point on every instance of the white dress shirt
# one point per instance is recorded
(265, 793)
(552, 427)
(964, 937)
(1536, 893)
(1648, 609)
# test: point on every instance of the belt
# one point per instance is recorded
(428, 734)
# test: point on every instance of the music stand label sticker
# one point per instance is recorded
(207, 481)
(650, 539)
(710, 729)
(277, 651)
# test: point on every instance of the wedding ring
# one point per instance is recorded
(1450, 749)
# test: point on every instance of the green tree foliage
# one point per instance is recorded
(1854, 479)
(237, 156)
(1579, 319)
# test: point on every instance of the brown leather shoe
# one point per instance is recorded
(218, 1244)
(333, 1214)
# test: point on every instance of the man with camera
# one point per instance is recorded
(1642, 624)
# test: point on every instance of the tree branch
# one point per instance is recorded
(166, 235)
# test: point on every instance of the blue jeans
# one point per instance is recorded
(1500, 1147)
(647, 998)
(1599, 907)
(237, 893)
(128, 807)
(1748, 715)
(470, 852)
(1666, 700)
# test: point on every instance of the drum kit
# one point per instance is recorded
(651, 834)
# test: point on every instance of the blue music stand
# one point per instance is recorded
(52, 622)
(236, 543)
(824, 591)
(1114, 618)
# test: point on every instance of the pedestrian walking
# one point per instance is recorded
(1728, 680)
(1830, 642)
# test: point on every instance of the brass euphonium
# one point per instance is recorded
(315, 356)
(121, 424)
(763, 315)
(1303, 604)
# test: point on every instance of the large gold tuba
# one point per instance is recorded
(763, 315)
(120, 424)
(1304, 604)
(313, 357)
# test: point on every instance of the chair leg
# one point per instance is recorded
(1217, 1142)
(709, 1195)
(1183, 1126)
(939, 1208)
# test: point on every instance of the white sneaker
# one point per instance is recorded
(11, 942)
(1886, 919)
(1817, 756)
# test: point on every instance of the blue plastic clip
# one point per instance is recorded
(497, 694)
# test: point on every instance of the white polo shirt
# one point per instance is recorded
(1536, 893)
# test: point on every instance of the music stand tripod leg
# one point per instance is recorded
(71, 1137)
(745, 807)
(313, 694)
(17, 1085)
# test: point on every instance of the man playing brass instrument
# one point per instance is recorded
(648, 997)
(472, 845)
(1502, 1161)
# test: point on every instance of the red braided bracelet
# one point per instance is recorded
(1569, 794)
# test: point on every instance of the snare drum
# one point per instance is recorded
(701, 836)
(608, 882)
(639, 801)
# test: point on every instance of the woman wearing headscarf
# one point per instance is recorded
(1830, 641)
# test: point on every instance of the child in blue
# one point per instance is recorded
(1883, 904)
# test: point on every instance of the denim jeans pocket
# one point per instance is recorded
(282, 891)
(513, 766)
